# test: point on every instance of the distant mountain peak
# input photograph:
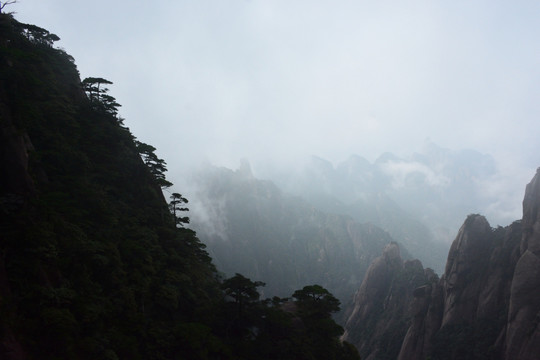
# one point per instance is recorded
(245, 169)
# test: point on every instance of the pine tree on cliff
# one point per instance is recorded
(98, 95)
(156, 165)
(176, 206)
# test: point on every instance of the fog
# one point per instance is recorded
(277, 81)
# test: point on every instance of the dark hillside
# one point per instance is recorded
(93, 265)
(89, 251)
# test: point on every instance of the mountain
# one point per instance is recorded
(484, 306)
(250, 226)
(93, 264)
(378, 315)
(420, 200)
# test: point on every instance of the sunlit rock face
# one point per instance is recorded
(523, 329)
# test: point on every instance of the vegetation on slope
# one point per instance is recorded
(93, 265)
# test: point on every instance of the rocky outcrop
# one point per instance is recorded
(531, 216)
(523, 329)
(465, 267)
(378, 310)
(486, 304)
(376, 282)
(464, 314)
(426, 315)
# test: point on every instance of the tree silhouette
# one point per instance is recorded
(98, 95)
(315, 307)
(177, 201)
(36, 34)
(156, 165)
(242, 290)
(5, 3)
(314, 300)
(92, 86)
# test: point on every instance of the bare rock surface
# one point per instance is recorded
(523, 328)
(486, 304)
(378, 310)
(464, 269)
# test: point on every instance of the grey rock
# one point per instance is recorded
(523, 329)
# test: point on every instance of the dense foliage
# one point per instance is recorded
(93, 263)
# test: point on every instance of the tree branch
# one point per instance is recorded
(5, 3)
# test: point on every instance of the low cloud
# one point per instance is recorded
(405, 174)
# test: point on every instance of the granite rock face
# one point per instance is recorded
(485, 305)
(426, 316)
(523, 328)
(465, 267)
(464, 314)
(376, 318)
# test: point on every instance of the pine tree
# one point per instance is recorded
(176, 206)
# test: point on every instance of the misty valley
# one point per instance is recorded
(102, 257)
(406, 293)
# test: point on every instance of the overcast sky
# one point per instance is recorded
(270, 79)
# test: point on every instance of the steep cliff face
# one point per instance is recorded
(485, 306)
(465, 269)
(523, 329)
(376, 322)
(426, 314)
(463, 316)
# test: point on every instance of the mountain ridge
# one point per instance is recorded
(484, 306)
(263, 231)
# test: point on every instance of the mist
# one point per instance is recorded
(277, 82)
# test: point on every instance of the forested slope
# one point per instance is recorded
(89, 250)
(93, 265)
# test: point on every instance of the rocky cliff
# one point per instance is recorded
(485, 306)
(523, 328)
(377, 317)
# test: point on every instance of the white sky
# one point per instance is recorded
(276, 79)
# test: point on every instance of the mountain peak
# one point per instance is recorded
(531, 216)
(245, 169)
(487, 301)
(523, 332)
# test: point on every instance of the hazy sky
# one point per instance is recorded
(270, 79)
